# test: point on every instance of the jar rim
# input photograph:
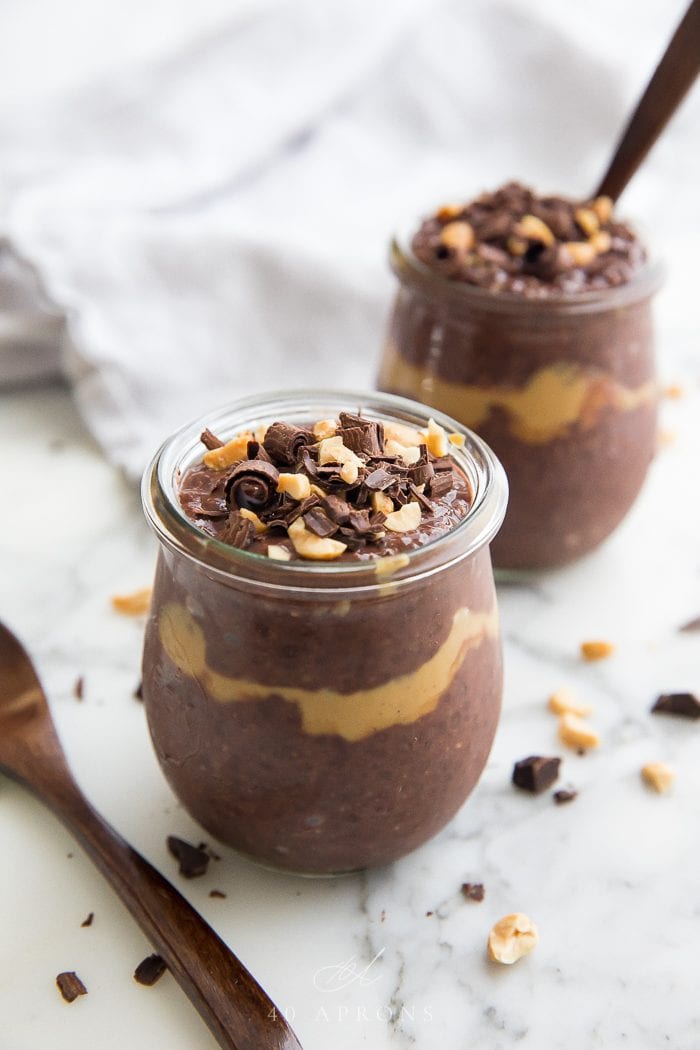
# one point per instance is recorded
(644, 283)
(177, 532)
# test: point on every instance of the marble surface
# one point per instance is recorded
(393, 958)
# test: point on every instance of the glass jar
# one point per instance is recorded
(322, 717)
(563, 389)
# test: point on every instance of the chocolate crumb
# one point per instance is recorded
(382, 917)
(138, 692)
(691, 625)
(428, 914)
(193, 861)
(78, 688)
(473, 891)
(70, 986)
(535, 774)
(88, 921)
(219, 894)
(562, 796)
(685, 705)
(150, 970)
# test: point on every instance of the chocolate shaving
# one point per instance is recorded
(439, 485)
(337, 509)
(536, 774)
(363, 436)
(422, 499)
(685, 705)
(284, 442)
(150, 970)
(379, 480)
(79, 688)
(252, 484)
(138, 692)
(319, 523)
(192, 861)
(421, 473)
(691, 625)
(257, 451)
(442, 463)
(218, 894)
(238, 532)
(70, 986)
(88, 920)
(473, 891)
(562, 796)
(210, 441)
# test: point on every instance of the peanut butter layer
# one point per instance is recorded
(553, 401)
(354, 716)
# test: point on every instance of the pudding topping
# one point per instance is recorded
(515, 241)
(353, 488)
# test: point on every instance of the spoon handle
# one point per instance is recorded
(671, 81)
(234, 1006)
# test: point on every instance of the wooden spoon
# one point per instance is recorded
(671, 81)
(238, 1012)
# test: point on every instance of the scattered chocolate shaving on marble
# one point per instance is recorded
(252, 485)
(536, 773)
(138, 692)
(473, 891)
(210, 441)
(79, 688)
(70, 986)
(193, 861)
(150, 970)
(685, 705)
(219, 894)
(428, 914)
(88, 921)
(690, 626)
(284, 442)
(564, 795)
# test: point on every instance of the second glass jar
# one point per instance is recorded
(563, 389)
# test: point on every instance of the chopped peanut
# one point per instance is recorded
(581, 253)
(512, 937)
(297, 486)
(436, 438)
(404, 520)
(409, 454)
(588, 221)
(132, 604)
(596, 650)
(603, 207)
(658, 776)
(601, 241)
(325, 428)
(332, 450)
(533, 229)
(252, 516)
(381, 503)
(458, 235)
(278, 553)
(316, 548)
(564, 702)
(232, 452)
(574, 732)
(449, 211)
(403, 434)
(456, 439)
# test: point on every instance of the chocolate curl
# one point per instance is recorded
(252, 485)
(284, 441)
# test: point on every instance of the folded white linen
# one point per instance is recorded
(208, 193)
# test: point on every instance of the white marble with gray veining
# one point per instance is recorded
(611, 879)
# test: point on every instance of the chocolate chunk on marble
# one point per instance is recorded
(536, 773)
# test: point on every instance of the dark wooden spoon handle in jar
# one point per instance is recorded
(667, 88)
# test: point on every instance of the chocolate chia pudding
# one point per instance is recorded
(322, 668)
(529, 319)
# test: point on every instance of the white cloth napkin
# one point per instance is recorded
(208, 192)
